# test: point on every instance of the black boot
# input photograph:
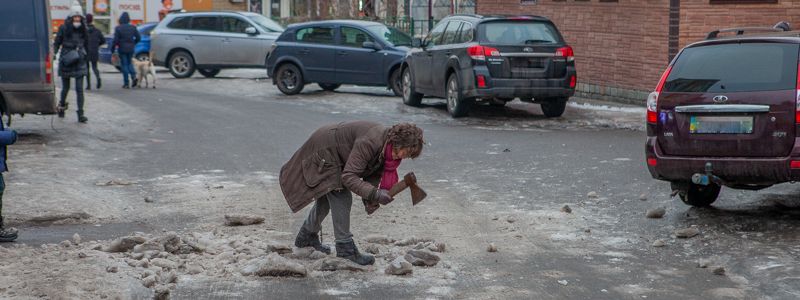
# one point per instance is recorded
(99, 83)
(7, 234)
(135, 83)
(309, 239)
(348, 250)
(62, 108)
(81, 117)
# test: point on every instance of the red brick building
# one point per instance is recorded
(622, 46)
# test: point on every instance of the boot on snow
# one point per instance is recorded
(310, 239)
(348, 250)
(7, 234)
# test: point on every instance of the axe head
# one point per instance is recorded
(417, 193)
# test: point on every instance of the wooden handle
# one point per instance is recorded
(397, 188)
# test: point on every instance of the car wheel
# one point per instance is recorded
(208, 73)
(457, 106)
(700, 195)
(553, 108)
(143, 56)
(329, 86)
(396, 83)
(410, 97)
(289, 79)
(181, 65)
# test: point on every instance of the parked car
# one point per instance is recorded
(332, 53)
(142, 50)
(726, 113)
(26, 61)
(491, 58)
(210, 41)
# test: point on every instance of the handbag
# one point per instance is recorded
(70, 57)
(115, 59)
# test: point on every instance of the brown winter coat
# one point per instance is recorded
(342, 156)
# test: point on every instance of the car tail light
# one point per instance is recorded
(797, 98)
(481, 80)
(566, 52)
(795, 164)
(481, 52)
(573, 81)
(652, 99)
(652, 162)
(48, 69)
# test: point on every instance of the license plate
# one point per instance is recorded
(721, 125)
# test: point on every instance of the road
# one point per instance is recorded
(202, 148)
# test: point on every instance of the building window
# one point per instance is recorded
(527, 1)
(743, 1)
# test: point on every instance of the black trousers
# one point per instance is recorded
(78, 91)
(91, 66)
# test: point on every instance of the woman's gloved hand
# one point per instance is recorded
(383, 197)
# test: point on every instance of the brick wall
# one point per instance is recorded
(227, 5)
(618, 45)
(698, 17)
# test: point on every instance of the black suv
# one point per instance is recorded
(470, 58)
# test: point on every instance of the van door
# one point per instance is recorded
(21, 54)
(730, 100)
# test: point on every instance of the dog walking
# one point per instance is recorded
(126, 36)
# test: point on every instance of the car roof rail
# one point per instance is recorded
(466, 15)
(779, 27)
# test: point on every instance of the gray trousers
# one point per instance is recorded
(339, 204)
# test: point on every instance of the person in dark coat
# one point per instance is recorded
(126, 36)
(361, 157)
(72, 39)
(7, 137)
(96, 39)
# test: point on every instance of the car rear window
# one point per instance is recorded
(317, 35)
(518, 33)
(736, 67)
(18, 21)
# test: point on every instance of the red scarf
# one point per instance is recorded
(389, 177)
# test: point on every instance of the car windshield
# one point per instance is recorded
(265, 23)
(518, 33)
(391, 35)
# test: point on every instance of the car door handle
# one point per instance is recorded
(188, 38)
(342, 53)
(429, 53)
(448, 53)
(305, 51)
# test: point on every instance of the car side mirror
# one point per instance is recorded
(416, 42)
(251, 31)
(370, 45)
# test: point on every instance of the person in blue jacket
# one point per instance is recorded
(7, 137)
(125, 38)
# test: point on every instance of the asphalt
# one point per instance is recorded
(505, 159)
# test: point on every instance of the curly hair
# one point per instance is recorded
(406, 136)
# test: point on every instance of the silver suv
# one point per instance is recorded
(210, 41)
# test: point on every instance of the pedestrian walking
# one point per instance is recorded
(125, 38)
(7, 137)
(96, 39)
(361, 157)
(72, 39)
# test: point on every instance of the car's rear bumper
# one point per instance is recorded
(30, 101)
(523, 88)
(732, 170)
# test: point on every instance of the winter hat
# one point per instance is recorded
(89, 18)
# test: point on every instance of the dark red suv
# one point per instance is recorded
(726, 112)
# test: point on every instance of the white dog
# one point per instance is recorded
(144, 69)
